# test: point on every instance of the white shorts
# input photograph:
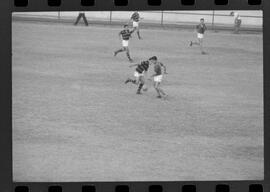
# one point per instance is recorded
(158, 78)
(125, 43)
(199, 35)
(135, 24)
(137, 74)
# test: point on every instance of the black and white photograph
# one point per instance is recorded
(137, 96)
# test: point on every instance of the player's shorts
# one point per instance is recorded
(199, 35)
(137, 74)
(158, 78)
(135, 24)
(125, 43)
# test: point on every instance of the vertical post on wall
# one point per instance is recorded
(58, 15)
(213, 20)
(110, 17)
(161, 18)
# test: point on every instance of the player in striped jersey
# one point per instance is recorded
(140, 73)
(135, 18)
(200, 28)
(125, 35)
(158, 75)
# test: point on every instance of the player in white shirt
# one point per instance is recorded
(237, 21)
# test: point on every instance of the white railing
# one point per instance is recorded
(252, 19)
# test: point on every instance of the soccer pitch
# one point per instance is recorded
(74, 119)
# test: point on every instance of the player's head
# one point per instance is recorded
(232, 13)
(125, 26)
(202, 20)
(153, 59)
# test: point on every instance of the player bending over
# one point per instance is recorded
(125, 35)
(237, 21)
(158, 77)
(200, 28)
(140, 73)
(135, 18)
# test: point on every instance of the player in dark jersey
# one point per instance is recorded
(200, 28)
(158, 75)
(125, 35)
(135, 18)
(140, 73)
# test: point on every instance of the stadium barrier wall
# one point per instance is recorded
(214, 19)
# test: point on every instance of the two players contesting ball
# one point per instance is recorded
(141, 70)
(140, 75)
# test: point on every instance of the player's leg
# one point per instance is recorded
(138, 32)
(238, 26)
(139, 88)
(119, 50)
(84, 19)
(78, 19)
(235, 27)
(201, 45)
(141, 83)
(162, 91)
(159, 80)
(156, 86)
(128, 55)
(134, 81)
(195, 42)
(145, 86)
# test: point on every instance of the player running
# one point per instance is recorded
(135, 18)
(125, 35)
(140, 73)
(201, 28)
(158, 77)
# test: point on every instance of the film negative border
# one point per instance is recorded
(67, 5)
(6, 184)
(248, 186)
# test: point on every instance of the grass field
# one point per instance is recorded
(74, 119)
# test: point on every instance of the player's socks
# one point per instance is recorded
(118, 51)
(128, 80)
(139, 88)
(129, 58)
(139, 36)
(133, 81)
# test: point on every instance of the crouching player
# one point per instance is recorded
(158, 77)
(200, 28)
(140, 73)
(125, 35)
